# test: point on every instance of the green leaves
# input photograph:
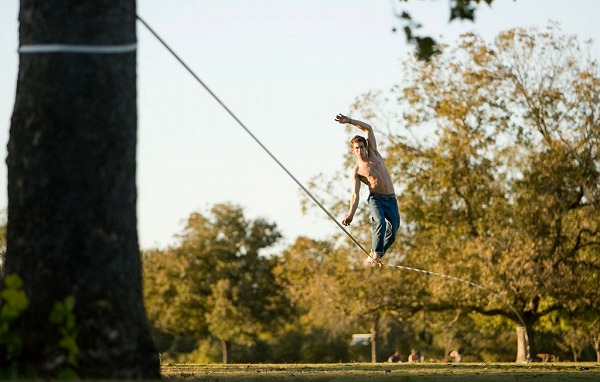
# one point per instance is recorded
(14, 299)
(215, 280)
(426, 46)
(63, 318)
(62, 315)
(464, 9)
(14, 302)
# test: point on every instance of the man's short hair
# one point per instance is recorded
(359, 138)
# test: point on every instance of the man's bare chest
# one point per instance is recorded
(370, 169)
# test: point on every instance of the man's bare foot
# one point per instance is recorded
(374, 258)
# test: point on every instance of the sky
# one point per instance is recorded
(285, 68)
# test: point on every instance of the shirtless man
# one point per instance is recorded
(370, 170)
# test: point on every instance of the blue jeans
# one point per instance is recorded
(385, 220)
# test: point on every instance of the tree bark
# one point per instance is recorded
(596, 346)
(524, 338)
(225, 349)
(72, 226)
(374, 338)
(529, 342)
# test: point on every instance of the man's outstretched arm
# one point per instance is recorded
(354, 199)
(364, 127)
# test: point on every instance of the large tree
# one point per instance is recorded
(72, 195)
(497, 174)
(505, 190)
(215, 281)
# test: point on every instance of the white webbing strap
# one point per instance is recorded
(85, 49)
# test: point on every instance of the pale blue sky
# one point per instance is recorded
(286, 68)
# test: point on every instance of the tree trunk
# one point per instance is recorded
(72, 228)
(524, 343)
(595, 342)
(530, 342)
(374, 339)
(225, 348)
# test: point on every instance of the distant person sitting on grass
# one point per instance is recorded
(394, 358)
(455, 356)
(414, 357)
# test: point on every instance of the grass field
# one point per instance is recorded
(488, 372)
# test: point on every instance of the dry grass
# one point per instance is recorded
(488, 372)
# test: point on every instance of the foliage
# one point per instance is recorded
(228, 318)
(14, 302)
(575, 331)
(175, 300)
(426, 46)
(63, 318)
(215, 281)
(333, 288)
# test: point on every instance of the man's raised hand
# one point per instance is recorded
(341, 118)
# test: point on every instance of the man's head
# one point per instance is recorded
(360, 147)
